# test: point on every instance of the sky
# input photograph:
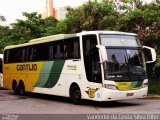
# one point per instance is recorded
(12, 9)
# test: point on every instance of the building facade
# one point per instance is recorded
(50, 10)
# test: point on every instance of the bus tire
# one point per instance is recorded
(14, 86)
(21, 88)
(75, 94)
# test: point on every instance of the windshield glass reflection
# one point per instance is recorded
(124, 64)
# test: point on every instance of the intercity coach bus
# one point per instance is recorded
(93, 65)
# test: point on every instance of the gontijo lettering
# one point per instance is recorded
(26, 67)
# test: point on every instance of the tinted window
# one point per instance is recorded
(57, 50)
(66, 49)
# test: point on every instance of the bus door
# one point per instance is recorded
(91, 59)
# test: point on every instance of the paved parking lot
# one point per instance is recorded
(38, 103)
(47, 104)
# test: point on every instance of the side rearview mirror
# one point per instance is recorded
(150, 54)
(102, 53)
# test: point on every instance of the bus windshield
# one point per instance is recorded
(124, 63)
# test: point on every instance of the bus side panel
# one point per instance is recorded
(27, 72)
(51, 77)
(61, 78)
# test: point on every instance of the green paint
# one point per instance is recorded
(139, 84)
(133, 85)
(45, 72)
(54, 74)
(136, 84)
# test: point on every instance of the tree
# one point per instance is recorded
(24, 30)
(145, 21)
(29, 28)
(49, 26)
(4, 37)
(91, 16)
(50, 21)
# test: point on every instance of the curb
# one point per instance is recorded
(152, 97)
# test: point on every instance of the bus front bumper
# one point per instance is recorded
(115, 95)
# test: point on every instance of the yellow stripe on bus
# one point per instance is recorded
(123, 85)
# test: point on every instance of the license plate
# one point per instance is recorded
(130, 94)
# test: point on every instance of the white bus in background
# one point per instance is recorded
(1, 75)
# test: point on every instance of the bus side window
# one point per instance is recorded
(62, 50)
(55, 56)
(12, 56)
(72, 48)
(32, 53)
(51, 52)
(27, 54)
(54, 51)
(6, 57)
(23, 54)
(66, 49)
(19, 55)
(58, 51)
(42, 52)
(76, 49)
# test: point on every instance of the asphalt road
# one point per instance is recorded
(46, 107)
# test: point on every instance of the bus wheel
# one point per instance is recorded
(21, 88)
(14, 87)
(75, 94)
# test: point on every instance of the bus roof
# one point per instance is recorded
(65, 36)
(43, 40)
(107, 32)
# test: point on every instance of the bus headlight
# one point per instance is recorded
(110, 86)
(145, 85)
